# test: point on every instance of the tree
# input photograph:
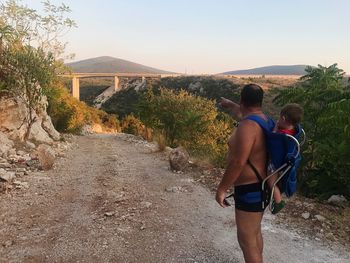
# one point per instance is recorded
(43, 31)
(29, 48)
(326, 102)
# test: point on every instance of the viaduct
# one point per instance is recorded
(77, 76)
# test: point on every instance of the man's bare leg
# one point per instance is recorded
(249, 235)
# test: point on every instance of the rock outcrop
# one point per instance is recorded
(13, 113)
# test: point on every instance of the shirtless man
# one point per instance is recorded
(246, 163)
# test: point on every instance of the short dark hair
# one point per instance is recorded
(252, 95)
(293, 113)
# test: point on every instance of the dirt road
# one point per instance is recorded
(112, 200)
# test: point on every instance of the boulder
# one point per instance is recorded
(337, 199)
(178, 159)
(46, 156)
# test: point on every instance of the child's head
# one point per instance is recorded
(290, 116)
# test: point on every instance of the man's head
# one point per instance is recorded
(252, 96)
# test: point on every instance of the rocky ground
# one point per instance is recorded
(113, 198)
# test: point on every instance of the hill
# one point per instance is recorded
(111, 65)
(271, 70)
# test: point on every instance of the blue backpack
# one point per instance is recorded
(284, 154)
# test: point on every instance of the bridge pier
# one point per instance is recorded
(116, 83)
(76, 88)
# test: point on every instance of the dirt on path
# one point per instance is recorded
(113, 200)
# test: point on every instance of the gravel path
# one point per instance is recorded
(112, 200)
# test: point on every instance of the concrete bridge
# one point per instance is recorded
(77, 76)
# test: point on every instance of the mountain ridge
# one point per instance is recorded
(271, 70)
(108, 64)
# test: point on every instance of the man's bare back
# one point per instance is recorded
(257, 155)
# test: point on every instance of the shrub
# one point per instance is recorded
(187, 120)
(132, 125)
(70, 115)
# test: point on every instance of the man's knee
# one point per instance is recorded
(246, 240)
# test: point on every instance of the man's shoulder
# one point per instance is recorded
(248, 124)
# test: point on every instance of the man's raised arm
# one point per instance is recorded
(240, 146)
(232, 106)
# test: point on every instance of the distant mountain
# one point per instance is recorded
(271, 70)
(112, 65)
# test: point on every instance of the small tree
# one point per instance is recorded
(26, 73)
(29, 47)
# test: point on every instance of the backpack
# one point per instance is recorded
(283, 152)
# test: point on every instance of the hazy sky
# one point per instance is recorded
(203, 36)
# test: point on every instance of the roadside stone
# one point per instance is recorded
(320, 218)
(178, 159)
(8, 243)
(11, 152)
(46, 156)
(6, 176)
(21, 170)
(146, 204)
(21, 153)
(173, 189)
(306, 215)
(109, 214)
(5, 165)
(337, 199)
(30, 145)
(20, 185)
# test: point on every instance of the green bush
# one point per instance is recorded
(70, 115)
(187, 120)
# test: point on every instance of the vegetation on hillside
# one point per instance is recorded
(125, 102)
(326, 101)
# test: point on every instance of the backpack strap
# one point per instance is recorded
(256, 172)
(267, 126)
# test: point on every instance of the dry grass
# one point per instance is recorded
(160, 139)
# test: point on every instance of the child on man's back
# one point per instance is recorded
(290, 117)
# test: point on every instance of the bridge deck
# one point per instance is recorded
(146, 75)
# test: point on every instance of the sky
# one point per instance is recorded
(207, 36)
